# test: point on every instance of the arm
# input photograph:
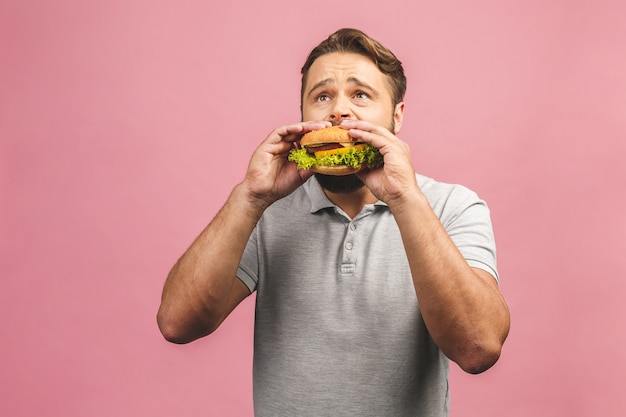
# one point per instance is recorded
(202, 287)
(462, 307)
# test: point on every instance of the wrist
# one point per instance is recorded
(409, 201)
(248, 202)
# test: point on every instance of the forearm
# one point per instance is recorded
(463, 310)
(198, 289)
(202, 289)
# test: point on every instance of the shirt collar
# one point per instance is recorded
(319, 201)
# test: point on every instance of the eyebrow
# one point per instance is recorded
(351, 80)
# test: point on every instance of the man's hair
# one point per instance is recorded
(355, 41)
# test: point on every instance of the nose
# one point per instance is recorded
(340, 110)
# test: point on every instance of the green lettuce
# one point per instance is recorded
(352, 157)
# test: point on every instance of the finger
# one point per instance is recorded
(282, 140)
(382, 140)
(363, 125)
(304, 174)
(294, 131)
(369, 132)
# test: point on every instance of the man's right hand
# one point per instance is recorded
(270, 175)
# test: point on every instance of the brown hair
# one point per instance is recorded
(355, 41)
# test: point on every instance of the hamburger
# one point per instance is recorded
(332, 151)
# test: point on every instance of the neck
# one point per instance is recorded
(352, 203)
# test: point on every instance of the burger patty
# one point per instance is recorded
(325, 147)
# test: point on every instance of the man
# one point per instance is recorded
(367, 284)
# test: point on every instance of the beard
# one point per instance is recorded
(345, 184)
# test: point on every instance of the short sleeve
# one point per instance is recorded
(470, 228)
(248, 270)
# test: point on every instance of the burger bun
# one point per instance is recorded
(332, 134)
(335, 170)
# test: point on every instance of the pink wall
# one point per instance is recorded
(111, 117)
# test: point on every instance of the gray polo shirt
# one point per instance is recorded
(338, 330)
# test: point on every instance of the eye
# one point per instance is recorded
(322, 97)
(361, 95)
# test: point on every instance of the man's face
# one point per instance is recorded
(348, 86)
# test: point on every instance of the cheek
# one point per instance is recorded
(375, 115)
(310, 113)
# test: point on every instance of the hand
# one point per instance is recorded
(390, 182)
(270, 176)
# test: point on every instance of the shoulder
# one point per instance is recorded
(437, 191)
(448, 200)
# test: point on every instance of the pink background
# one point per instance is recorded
(113, 117)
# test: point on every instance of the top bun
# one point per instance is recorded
(332, 134)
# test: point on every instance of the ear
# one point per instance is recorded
(398, 117)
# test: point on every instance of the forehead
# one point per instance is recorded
(339, 67)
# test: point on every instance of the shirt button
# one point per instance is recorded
(349, 246)
(352, 227)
